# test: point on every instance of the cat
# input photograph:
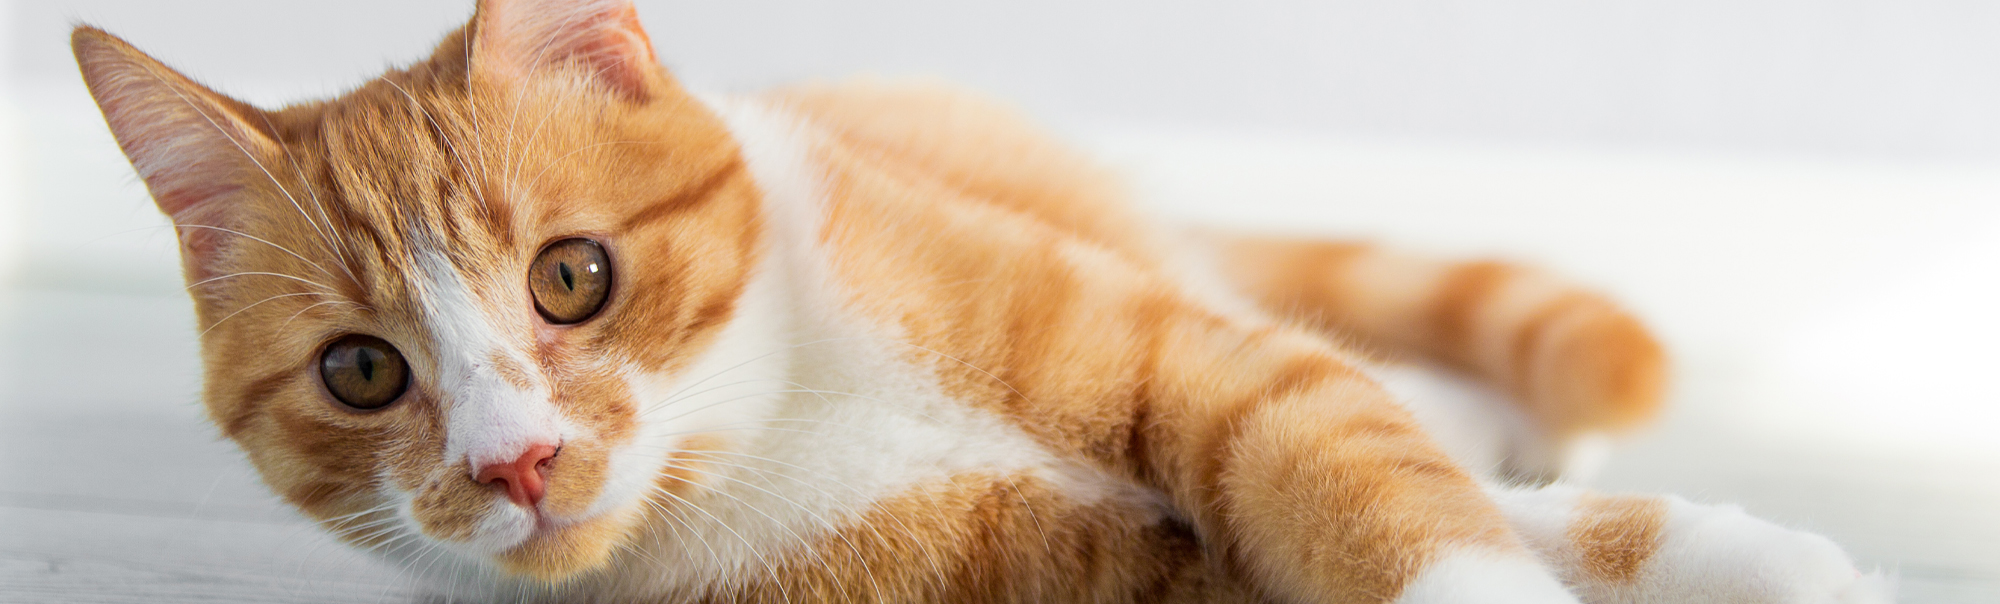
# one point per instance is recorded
(533, 320)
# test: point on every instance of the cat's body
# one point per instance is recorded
(864, 343)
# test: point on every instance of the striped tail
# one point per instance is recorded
(1573, 360)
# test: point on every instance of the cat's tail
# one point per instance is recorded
(1575, 362)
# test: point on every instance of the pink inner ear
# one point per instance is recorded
(190, 152)
(520, 37)
(195, 148)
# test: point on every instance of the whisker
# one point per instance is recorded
(557, 161)
(253, 305)
(679, 522)
(403, 568)
(1025, 503)
(340, 242)
(851, 509)
(929, 554)
(379, 508)
(281, 248)
(288, 320)
(258, 273)
(329, 238)
(514, 177)
(754, 359)
(718, 403)
(169, 85)
(342, 533)
(348, 530)
(541, 52)
(803, 543)
(747, 545)
(828, 524)
(472, 106)
(478, 192)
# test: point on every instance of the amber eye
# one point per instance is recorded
(364, 372)
(570, 280)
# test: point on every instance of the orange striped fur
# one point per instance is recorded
(863, 342)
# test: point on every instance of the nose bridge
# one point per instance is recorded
(495, 401)
(492, 418)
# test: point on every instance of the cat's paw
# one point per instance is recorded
(1477, 578)
(1719, 554)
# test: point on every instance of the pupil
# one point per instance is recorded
(365, 360)
(569, 279)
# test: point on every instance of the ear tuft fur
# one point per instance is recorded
(517, 38)
(189, 144)
(193, 147)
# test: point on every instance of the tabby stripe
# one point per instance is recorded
(688, 197)
(1465, 291)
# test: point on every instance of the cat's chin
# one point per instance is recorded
(556, 553)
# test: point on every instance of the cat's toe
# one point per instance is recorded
(1716, 554)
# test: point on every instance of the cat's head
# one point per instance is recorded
(436, 310)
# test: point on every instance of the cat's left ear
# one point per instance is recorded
(198, 151)
(517, 39)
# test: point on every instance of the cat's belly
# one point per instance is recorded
(873, 481)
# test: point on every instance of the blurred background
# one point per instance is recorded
(1803, 196)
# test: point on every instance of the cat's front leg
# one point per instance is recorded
(1312, 483)
(1666, 550)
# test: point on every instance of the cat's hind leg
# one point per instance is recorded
(1575, 364)
(1645, 549)
(1484, 431)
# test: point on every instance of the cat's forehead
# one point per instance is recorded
(401, 172)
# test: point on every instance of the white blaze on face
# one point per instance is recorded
(488, 419)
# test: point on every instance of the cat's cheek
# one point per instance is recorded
(626, 478)
(576, 480)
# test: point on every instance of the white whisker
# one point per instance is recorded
(169, 85)
(281, 248)
(804, 544)
(288, 320)
(747, 545)
(851, 509)
(558, 160)
(250, 306)
(451, 148)
(329, 237)
(258, 273)
(828, 524)
(929, 554)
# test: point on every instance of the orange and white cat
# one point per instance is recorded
(535, 321)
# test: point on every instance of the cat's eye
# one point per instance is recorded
(570, 280)
(364, 372)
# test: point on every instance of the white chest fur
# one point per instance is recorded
(824, 412)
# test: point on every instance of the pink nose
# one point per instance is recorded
(523, 478)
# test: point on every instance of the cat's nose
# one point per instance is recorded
(523, 477)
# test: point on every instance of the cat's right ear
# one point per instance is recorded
(516, 38)
(192, 146)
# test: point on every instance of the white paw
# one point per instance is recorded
(1719, 554)
(1477, 578)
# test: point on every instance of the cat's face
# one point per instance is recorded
(438, 309)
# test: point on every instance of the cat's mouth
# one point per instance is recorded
(577, 530)
(559, 547)
(558, 538)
